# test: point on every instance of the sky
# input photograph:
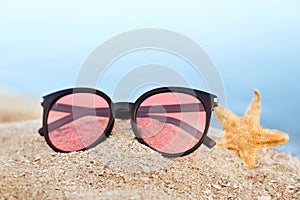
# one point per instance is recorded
(45, 36)
(253, 44)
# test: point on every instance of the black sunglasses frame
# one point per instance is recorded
(128, 110)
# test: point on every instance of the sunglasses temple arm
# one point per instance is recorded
(189, 107)
(82, 113)
(210, 143)
(104, 112)
(69, 109)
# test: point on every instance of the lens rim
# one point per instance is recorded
(205, 98)
(51, 99)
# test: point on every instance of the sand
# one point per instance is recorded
(16, 107)
(122, 168)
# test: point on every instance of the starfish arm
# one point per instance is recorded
(249, 156)
(252, 114)
(266, 138)
(225, 142)
(227, 118)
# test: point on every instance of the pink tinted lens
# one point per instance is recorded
(77, 120)
(171, 122)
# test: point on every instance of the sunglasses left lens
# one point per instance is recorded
(77, 121)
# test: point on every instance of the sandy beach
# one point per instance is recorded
(17, 107)
(122, 168)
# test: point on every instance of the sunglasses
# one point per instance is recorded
(171, 120)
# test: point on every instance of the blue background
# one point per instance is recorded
(253, 44)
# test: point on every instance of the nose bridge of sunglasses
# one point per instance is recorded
(121, 110)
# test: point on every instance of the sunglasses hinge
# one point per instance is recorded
(41, 131)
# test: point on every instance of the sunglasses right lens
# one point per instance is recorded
(171, 122)
(78, 120)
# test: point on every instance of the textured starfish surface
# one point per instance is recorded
(244, 135)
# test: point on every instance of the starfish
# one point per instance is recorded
(244, 135)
